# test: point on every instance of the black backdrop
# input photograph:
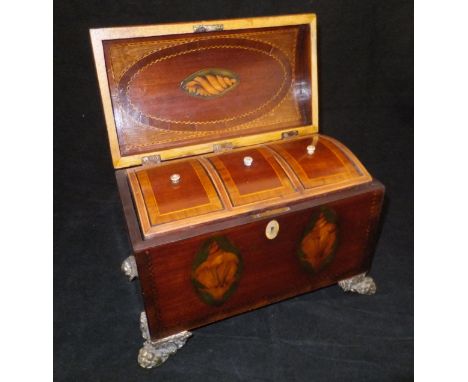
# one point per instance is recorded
(366, 101)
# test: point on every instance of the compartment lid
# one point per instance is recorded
(174, 90)
(329, 167)
(162, 199)
(263, 179)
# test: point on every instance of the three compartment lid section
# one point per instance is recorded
(192, 191)
(179, 89)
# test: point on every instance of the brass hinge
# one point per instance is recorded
(224, 146)
(208, 28)
(151, 159)
(289, 134)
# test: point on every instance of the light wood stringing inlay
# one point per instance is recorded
(335, 174)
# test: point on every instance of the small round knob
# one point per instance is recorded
(310, 149)
(175, 178)
(248, 161)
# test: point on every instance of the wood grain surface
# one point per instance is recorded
(327, 165)
(263, 180)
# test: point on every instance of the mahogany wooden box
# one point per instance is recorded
(233, 200)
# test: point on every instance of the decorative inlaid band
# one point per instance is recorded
(170, 124)
(117, 75)
(186, 134)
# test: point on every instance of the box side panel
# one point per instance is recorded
(128, 208)
(194, 282)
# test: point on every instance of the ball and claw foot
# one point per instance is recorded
(155, 353)
(361, 284)
(129, 268)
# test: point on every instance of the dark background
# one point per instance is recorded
(366, 101)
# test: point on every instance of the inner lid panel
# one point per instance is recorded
(176, 91)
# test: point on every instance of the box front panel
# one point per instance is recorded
(200, 280)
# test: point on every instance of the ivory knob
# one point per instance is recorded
(248, 161)
(310, 149)
(175, 178)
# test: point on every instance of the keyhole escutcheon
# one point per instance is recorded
(272, 229)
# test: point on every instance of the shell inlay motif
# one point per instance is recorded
(208, 83)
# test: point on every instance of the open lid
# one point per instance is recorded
(174, 90)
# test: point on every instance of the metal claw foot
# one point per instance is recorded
(361, 284)
(155, 353)
(129, 268)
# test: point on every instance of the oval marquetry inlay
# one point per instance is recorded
(320, 241)
(209, 83)
(216, 270)
(240, 81)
